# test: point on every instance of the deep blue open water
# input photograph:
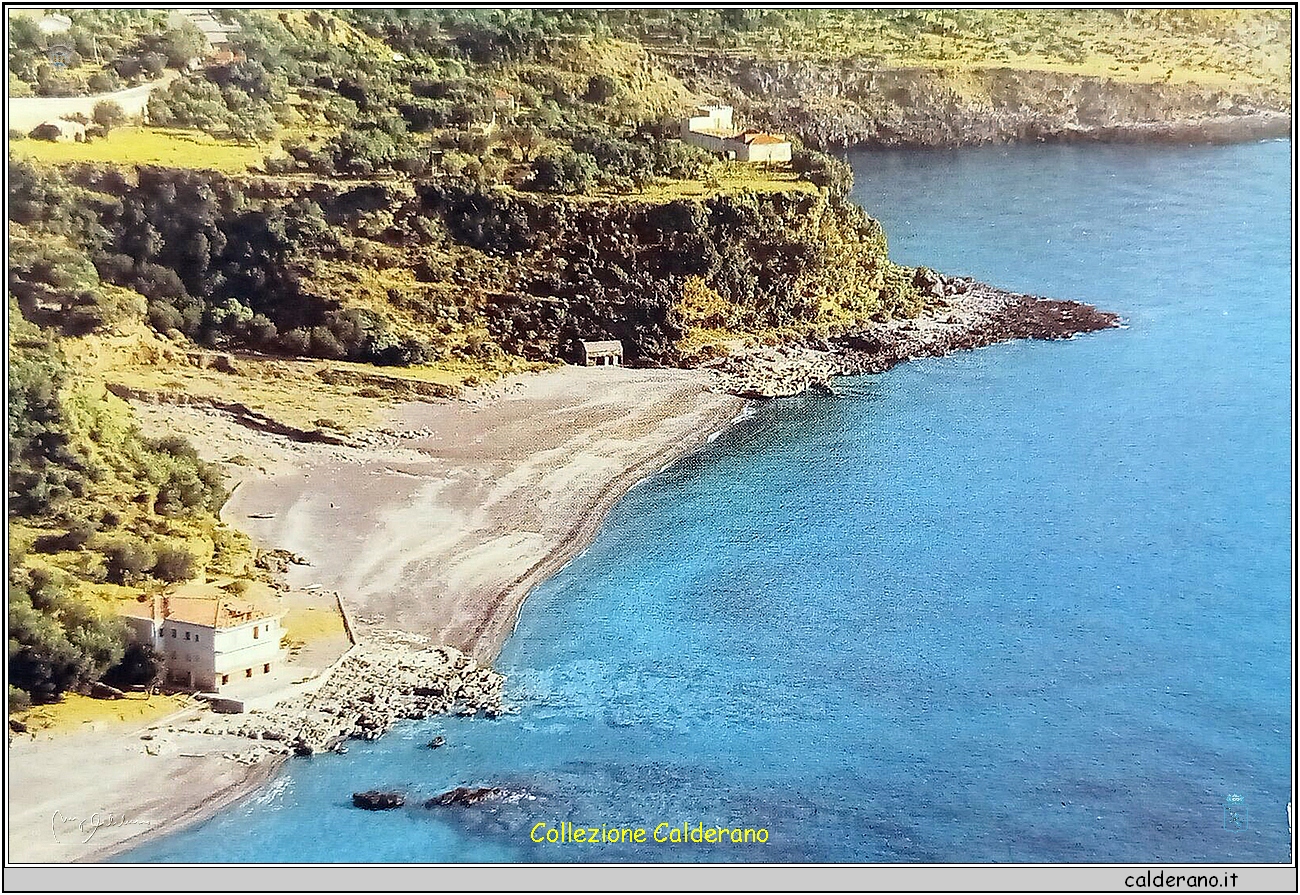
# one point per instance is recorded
(1028, 603)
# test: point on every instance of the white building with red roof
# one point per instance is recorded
(208, 643)
(712, 129)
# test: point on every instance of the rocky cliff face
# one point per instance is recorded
(614, 269)
(857, 104)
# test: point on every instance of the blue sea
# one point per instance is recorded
(1024, 604)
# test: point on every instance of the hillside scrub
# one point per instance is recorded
(91, 501)
(460, 271)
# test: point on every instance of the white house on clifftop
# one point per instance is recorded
(712, 129)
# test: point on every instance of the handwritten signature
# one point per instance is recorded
(62, 824)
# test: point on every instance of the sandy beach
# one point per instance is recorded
(85, 795)
(437, 522)
(436, 519)
(442, 525)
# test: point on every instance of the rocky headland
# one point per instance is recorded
(961, 314)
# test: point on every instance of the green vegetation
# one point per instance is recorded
(134, 146)
(1203, 45)
(108, 49)
(445, 193)
(91, 501)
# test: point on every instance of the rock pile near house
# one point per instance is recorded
(377, 684)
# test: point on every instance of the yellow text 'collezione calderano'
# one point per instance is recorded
(566, 833)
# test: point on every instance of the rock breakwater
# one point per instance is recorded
(387, 678)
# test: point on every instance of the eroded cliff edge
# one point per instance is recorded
(854, 103)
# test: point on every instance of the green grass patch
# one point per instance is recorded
(131, 146)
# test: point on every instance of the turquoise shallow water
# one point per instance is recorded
(1028, 603)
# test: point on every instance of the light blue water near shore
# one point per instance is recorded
(1029, 603)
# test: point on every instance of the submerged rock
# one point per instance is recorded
(437, 742)
(466, 795)
(378, 799)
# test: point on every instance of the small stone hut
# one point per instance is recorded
(601, 354)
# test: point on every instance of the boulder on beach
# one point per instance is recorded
(100, 690)
(378, 799)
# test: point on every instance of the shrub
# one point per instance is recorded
(564, 171)
(73, 539)
(128, 559)
(140, 665)
(50, 132)
(18, 699)
(56, 641)
(108, 115)
(104, 81)
(823, 170)
(175, 564)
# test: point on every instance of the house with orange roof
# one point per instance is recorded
(208, 643)
(712, 129)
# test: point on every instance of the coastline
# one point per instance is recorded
(254, 779)
(509, 477)
(608, 430)
(962, 315)
(866, 105)
(502, 619)
(74, 810)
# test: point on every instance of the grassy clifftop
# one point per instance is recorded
(1237, 48)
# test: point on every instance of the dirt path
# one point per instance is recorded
(25, 112)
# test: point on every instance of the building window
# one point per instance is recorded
(255, 632)
(266, 669)
(225, 679)
(187, 635)
(248, 672)
(196, 638)
(173, 633)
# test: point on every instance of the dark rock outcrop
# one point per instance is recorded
(962, 314)
(378, 799)
(466, 795)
